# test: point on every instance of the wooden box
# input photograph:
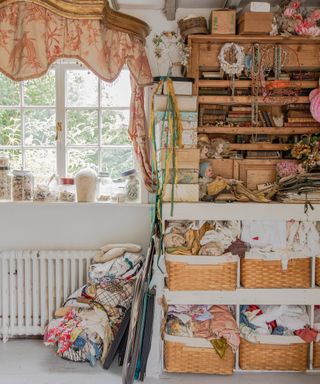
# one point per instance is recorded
(189, 137)
(255, 23)
(223, 22)
(182, 192)
(185, 158)
(189, 120)
(255, 171)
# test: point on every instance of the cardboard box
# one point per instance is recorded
(185, 103)
(255, 6)
(223, 22)
(182, 192)
(255, 23)
(184, 176)
(185, 158)
(189, 137)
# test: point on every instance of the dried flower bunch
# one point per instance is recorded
(307, 150)
(168, 40)
(294, 19)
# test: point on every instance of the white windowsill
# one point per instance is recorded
(76, 204)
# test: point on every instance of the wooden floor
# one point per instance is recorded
(29, 362)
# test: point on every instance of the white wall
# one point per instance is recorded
(158, 23)
(72, 225)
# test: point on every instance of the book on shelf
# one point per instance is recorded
(262, 120)
(301, 120)
(212, 75)
(268, 119)
(297, 106)
(294, 113)
(241, 108)
(214, 91)
(308, 124)
(263, 155)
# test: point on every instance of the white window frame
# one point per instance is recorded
(61, 116)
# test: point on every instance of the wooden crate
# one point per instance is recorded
(223, 167)
(185, 158)
(182, 193)
(255, 23)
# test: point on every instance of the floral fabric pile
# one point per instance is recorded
(212, 322)
(92, 315)
(281, 320)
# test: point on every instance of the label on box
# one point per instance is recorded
(163, 137)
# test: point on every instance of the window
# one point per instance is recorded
(94, 114)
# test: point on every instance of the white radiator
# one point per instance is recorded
(33, 284)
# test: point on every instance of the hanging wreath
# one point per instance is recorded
(232, 68)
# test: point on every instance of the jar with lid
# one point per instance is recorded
(22, 185)
(104, 187)
(86, 183)
(5, 178)
(132, 188)
(67, 189)
(118, 191)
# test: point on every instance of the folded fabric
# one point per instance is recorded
(220, 346)
(263, 233)
(307, 334)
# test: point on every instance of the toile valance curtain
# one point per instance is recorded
(33, 36)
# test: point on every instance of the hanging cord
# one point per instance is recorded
(172, 139)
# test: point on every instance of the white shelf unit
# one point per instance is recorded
(233, 211)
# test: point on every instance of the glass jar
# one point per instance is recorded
(86, 184)
(104, 187)
(67, 189)
(22, 185)
(118, 191)
(5, 183)
(132, 187)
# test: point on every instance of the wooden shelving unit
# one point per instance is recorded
(303, 53)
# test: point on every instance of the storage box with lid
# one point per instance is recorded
(274, 353)
(254, 23)
(201, 273)
(223, 22)
(195, 355)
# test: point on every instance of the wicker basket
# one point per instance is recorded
(193, 26)
(318, 271)
(195, 356)
(316, 355)
(201, 273)
(274, 357)
(269, 274)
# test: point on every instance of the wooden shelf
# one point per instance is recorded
(247, 83)
(231, 100)
(259, 130)
(249, 39)
(260, 147)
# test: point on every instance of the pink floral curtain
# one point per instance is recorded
(33, 37)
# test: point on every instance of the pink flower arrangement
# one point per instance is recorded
(296, 20)
(287, 168)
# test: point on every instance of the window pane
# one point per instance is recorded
(116, 160)
(78, 159)
(15, 158)
(40, 91)
(82, 89)
(115, 127)
(82, 127)
(10, 127)
(39, 127)
(118, 93)
(9, 91)
(42, 162)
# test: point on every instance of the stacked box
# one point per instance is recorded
(189, 130)
(187, 157)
